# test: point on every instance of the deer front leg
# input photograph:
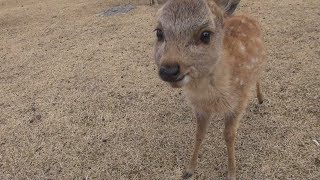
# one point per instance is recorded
(202, 123)
(259, 93)
(230, 132)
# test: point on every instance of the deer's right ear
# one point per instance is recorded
(229, 6)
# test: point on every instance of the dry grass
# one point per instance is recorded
(80, 97)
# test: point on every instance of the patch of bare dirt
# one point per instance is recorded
(80, 96)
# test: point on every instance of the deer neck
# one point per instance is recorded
(211, 92)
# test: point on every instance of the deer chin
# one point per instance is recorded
(181, 82)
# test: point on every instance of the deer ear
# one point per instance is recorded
(217, 11)
(229, 6)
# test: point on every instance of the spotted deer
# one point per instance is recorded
(216, 58)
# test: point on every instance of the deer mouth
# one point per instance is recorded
(180, 81)
(180, 78)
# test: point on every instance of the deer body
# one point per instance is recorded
(237, 71)
(215, 58)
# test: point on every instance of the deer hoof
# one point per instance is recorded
(187, 175)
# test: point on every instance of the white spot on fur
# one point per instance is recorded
(250, 25)
(249, 66)
(242, 47)
(254, 60)
(258, 40)
(243, 35)
(241, 82)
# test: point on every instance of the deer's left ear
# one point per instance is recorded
(229, 6)
(216, 11)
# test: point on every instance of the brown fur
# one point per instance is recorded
(217, 77)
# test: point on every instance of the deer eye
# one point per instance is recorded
(205, 37)
(159, 34)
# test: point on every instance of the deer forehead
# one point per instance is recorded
(185, 16)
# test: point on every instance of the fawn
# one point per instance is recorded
(216, 58)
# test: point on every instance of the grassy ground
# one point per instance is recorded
(80, 97)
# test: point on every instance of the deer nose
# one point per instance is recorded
(169, 73)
